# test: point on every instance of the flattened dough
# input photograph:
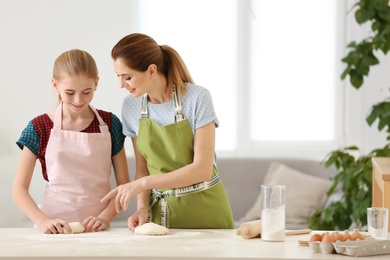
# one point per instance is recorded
(151, 229)
(76, 228)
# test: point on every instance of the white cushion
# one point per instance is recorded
(304, 194)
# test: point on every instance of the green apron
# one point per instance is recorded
(168, 148)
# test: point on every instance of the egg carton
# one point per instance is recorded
(363, 247)
(367, 247)
(322, 247)
(328, 247)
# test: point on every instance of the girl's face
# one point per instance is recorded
(76, 92)
(136, 82)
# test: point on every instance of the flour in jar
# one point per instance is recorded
(273, 224)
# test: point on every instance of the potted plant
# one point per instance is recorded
(354, 173)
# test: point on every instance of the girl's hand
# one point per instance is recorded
(94, 224)
(137, 219)
(55, 226)
(123, 193)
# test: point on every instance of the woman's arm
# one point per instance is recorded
(198, 171)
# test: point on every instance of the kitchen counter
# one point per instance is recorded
(120, 243)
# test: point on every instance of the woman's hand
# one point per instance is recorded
(54, 226)
(137, 219)
(123, 193)
(94, 224)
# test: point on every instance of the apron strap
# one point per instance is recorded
(57, 124)
(176, 102)
(102, 125)
(179, 192)
(144, 109)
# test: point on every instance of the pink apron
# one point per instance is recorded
(78, 167)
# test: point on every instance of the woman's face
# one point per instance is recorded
(136, 82)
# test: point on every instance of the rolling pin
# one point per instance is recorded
(252, 229)
(249, 229)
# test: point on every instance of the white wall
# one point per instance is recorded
(34, 33)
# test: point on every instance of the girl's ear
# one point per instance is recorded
(96, 82)
(54, 83)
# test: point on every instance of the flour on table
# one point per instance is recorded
(76, 228)
(151, 229)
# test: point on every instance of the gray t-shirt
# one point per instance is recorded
(197, 106)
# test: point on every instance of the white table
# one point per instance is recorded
(120, 243)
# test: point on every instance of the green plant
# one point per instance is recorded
(354, 177)
(361, 55)
(354, 173)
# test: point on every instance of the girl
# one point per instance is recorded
(172, 125)
(75, 144)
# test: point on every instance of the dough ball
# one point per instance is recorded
(76, 228)
(151, 229)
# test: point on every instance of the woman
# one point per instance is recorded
(172, 125)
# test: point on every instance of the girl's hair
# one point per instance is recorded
(74, 63)
(138, 51)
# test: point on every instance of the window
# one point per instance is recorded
(271, 66)
(293, 75)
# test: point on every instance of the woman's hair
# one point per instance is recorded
(138, 51)
(74, 63)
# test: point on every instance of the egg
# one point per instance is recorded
(356, 235)
(327, 238)
(338, 237)
(316, 237)
(348, 236)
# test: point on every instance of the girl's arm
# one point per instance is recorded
(119, 162)
(143, 198)
(142, 171)
(24, 201)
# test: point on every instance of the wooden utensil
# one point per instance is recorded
(298, 231)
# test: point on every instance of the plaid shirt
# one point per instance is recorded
(36, 135)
